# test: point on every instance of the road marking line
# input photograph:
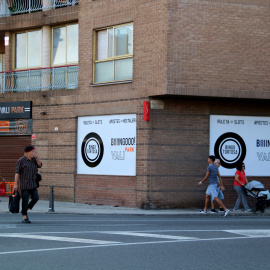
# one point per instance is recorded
(121, 244)
(55, 238)
(251, 233)
(7, 226)
(162, 236)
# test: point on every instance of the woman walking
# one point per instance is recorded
(240, 180)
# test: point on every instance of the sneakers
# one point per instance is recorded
(237, 209)
(226, 212)
(248, 210)
(26, 220)
(213, 211)
(221, 210)
(203, 211)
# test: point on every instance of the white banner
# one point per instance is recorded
(106, 145)
(235, 139)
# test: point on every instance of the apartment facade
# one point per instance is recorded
(127, 98)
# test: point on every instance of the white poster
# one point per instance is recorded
(106, 145)
(235, 139)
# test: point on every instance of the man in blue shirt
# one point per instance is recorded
(211, 174)
(220, 188)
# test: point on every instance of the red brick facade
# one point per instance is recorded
(199, 57)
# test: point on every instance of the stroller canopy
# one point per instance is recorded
(254, 185)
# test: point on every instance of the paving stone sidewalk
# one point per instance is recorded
(77, 208)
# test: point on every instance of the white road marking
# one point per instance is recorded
(121, 244)
(245, 234)
(251, 233)
(55, 238)
(8, 226)
(162, 236)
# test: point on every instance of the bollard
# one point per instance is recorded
(51, 203)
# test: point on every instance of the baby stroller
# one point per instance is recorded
(256, 190)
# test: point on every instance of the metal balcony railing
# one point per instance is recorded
(12, 7)
(52, 78)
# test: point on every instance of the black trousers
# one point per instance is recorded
(25, 199)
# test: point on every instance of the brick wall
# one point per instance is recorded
(219, 48)
(179, 148)
(56, 149)
(181, 48)
(149, 73)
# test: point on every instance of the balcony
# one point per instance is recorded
(52, 78)
(13, 7)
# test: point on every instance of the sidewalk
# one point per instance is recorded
(77, 208)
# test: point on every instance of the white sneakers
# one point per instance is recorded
(226, 212)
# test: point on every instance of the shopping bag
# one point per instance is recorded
(14, 202)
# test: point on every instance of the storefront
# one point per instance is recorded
(15, 134)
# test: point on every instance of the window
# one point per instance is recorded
(28, 49)
(113, 54)
(2, 62)
(65, 45)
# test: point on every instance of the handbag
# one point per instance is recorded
(14, 202)
(38, 179)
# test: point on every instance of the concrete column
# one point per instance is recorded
(46, 56)
(46, 46)
(8, 52)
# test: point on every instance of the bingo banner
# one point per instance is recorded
(106, 145)
(245, 139)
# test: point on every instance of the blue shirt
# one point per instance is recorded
(213, 170)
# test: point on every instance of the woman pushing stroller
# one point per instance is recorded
(240, 180)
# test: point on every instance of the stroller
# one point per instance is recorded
(256, 190)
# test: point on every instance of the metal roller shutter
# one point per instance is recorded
(11, 149)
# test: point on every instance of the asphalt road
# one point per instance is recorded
(54, 241)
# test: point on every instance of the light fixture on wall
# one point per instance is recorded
(43, 113)
(6, 41)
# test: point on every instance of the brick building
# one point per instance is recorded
(86, 68)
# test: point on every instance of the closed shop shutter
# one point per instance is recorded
(11, 149)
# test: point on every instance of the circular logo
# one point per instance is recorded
(92, 149)
(230, 148)
(21, 127)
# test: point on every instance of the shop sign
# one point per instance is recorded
(16, 127)
(16, 110)
(106, 145)
(245, 139)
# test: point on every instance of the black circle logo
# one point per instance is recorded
(92, 149)
(230, 148)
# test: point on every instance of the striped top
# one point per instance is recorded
(27, 169)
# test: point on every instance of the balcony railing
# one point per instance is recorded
(12, 7)
(52, 78)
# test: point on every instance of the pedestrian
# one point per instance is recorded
(220, 190)
(211, 174)
(240, 180)
(2, 185)
(25, 180)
